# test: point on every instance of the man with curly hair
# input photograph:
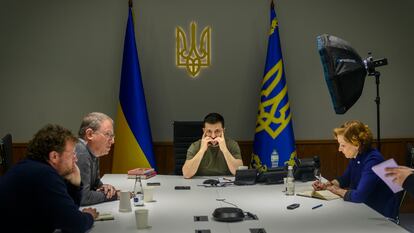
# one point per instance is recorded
(42, 193)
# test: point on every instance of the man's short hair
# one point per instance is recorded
(213, 118)
(50, 138)
(92, 121)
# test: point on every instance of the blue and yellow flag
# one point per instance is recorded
(133, 146)
(274, 140)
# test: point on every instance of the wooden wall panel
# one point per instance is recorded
(333, 163)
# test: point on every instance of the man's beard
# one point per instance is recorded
(67, 172)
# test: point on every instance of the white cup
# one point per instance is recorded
(148, 194)
(124, 201)
(141, 218)
(242, 168)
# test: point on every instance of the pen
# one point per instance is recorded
(317, 206)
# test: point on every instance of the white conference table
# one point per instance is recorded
(174, 210)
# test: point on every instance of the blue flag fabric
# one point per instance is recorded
(274, 132)
(133, 146)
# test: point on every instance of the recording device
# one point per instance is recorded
(272, 176)
(245, 177)
(182, 187)
(293, 206)
(305, 168)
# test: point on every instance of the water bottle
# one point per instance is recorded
(138, 191)
(274, 159)
(290, 182)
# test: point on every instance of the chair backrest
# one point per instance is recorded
(185, 133)
(6, 152)
(401, 195)
(410, 155)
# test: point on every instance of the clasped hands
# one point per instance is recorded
(109, 191)
(206, 140)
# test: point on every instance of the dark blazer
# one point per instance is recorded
(365, 186)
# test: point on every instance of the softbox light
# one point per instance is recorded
(344, 71)
(345, 74)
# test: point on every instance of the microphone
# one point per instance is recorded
(224, 200)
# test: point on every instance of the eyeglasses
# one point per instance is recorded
(108, 135)
(73, 152)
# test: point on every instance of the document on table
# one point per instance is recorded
(379, 169)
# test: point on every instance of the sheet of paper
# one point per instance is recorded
(379, 169)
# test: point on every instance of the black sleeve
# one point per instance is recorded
(62, 209)
(75, 192)
(409, 184)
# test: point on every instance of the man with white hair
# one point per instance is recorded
(96, 136)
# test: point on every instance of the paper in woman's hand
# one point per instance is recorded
(379, 169)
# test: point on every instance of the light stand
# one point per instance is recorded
(370, 65)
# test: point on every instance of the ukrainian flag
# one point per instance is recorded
(133, 135)
(274, 132)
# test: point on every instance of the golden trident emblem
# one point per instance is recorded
(193, 58)
(281, 117)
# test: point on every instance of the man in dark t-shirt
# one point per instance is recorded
(213, 154)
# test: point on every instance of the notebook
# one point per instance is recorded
(105, 216)
(322, 194)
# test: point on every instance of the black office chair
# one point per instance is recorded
(185, 133)
(6, 154)
(409, 163)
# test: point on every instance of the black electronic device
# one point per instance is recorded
(153, 183)
(228, 214)
(293, 206)
(182, 187)
(211, 182)
(272, 176)
(305, 168)
(245, 177)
